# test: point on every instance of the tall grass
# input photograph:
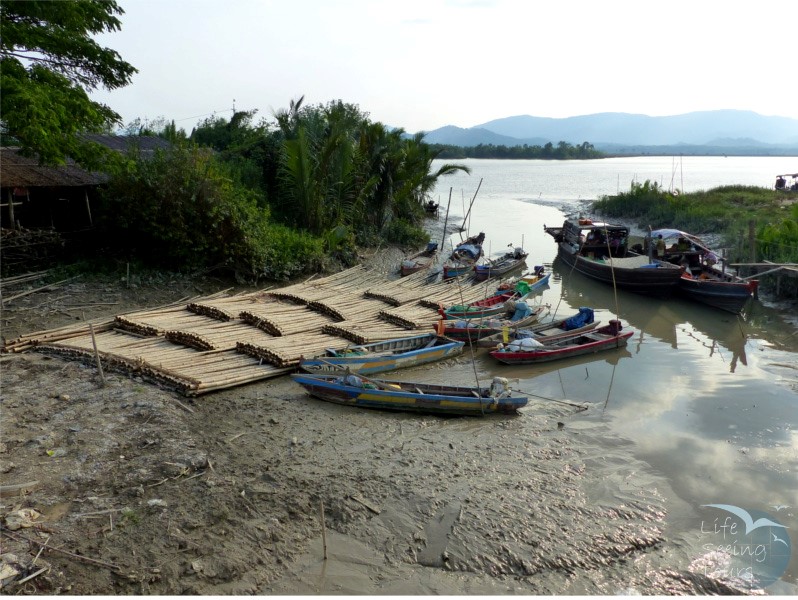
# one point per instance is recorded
(723, 211)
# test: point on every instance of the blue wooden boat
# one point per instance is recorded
(529, 282)
(464, 257)
(354, 390)
(456, 270)
(384, 356)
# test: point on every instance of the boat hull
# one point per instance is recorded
(450, 271)
(489, 307)
(730, 296)
(499, 268)
(409, 397)
(474, 334)
(387, 356)
(662, 280)
(604, 338)
(548, 334)
(418, 262)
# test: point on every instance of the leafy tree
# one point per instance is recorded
(48, 62)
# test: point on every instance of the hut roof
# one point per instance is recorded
(23, 171)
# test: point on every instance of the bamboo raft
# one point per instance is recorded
(200, 345)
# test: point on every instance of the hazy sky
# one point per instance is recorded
(423, 64)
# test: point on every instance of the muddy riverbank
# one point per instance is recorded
(139, 491)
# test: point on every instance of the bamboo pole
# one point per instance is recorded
(323, 528)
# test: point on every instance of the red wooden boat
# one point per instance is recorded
(420, 260)
(528, 351)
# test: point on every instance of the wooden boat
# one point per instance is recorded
(473, 330)
(701, 280)
(526, 283)
(487, 307)
(464, 257)
(353, 390)
(599, 251)
(511, 261)
(431, 208)
(384, 356)
(456, 270)
(419, 261)
(546, 332)
(522, 352)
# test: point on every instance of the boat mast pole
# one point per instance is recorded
(446, 220)
(465, 219)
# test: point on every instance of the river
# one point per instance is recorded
(703, 402)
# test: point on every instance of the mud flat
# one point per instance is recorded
(125, 488)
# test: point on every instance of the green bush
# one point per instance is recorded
(183, 209)
(778, 242)
(405, 233)
(288, 252)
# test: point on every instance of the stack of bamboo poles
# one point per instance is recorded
(411, 316)
(354, 280)
(348, 307)
(287, 351)
(403, 290)
(157, 322)
(285, 318)
(31, 340)
(365, 332)
(458, 295)
(226, 309)
(217, 335)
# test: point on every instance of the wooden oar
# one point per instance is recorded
(378, 384)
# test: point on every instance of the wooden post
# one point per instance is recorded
(11, 208)
(97, 354)
(740, 247)
(88, 208)
(323, 530)
(752, 240)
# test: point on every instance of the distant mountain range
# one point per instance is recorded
(706, 132)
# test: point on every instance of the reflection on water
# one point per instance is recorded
(668, 320)
(708, 400)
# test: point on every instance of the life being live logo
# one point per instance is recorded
(744, 548)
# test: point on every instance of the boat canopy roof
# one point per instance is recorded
(675, 234)
(788, 175)
(587, 224)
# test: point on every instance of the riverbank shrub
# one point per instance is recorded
(778, 242)
(722, 211)
(184, 209)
